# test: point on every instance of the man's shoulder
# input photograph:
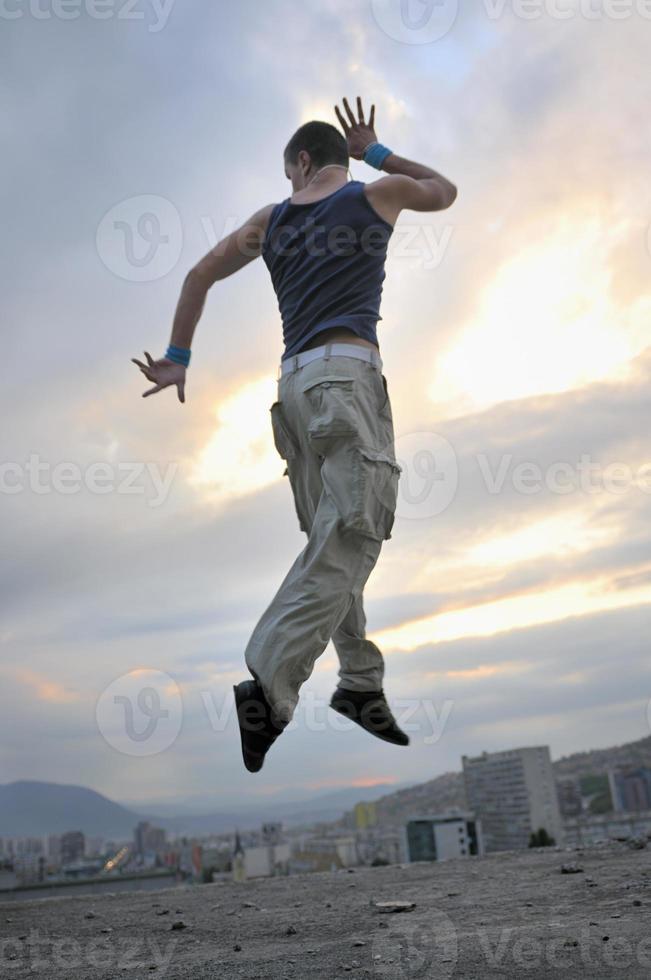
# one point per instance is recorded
(262, 216)
(261, 219)
(382, 195)
(387, 186)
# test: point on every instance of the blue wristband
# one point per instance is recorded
(376, 154)
(180, 355)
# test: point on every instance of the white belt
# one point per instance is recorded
(296, 361)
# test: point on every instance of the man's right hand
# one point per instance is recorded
(358, 133)
(163, 373)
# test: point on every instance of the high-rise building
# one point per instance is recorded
(73, 846)
(631, 790)
(514, 795)
(54, 848)
(569, 798)
(148, 839)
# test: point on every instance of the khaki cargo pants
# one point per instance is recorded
(333, 426)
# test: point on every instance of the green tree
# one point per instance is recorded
(541, 839)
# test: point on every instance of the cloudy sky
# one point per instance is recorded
(141, 539)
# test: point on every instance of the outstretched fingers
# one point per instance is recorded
(349, 112)
(152, 391)
(351, 122)
(342, 121)
(144, 369)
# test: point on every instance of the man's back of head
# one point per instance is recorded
(322, 142)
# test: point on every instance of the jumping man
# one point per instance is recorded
(325, 248)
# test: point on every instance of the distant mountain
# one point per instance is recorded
(442, 793)
(631, 755)
(33, 809)
(325, 808)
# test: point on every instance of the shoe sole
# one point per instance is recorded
(384, 738)
(252, 762)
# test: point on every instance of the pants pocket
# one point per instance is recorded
(332, 409)
(283, 439)
(364, 485)
(383, 399)
(377, 478)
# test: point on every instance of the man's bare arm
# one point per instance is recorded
(409, 185)
(229, 255)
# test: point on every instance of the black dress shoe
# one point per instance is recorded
(259, 725)
(370, 710)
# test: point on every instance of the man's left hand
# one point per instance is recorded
(163, 373)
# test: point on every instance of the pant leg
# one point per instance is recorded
(325, 426)
(361, 664)
(309, 605)
(361, 661)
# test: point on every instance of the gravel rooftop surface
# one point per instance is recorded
(541, 913)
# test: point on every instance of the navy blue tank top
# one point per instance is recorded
(326, 261)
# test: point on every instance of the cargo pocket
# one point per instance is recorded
(332, 405)
(384, 402)
(376, 491)
(364, 486)
(283, 439)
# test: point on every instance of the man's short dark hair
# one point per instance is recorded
(323, 142)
